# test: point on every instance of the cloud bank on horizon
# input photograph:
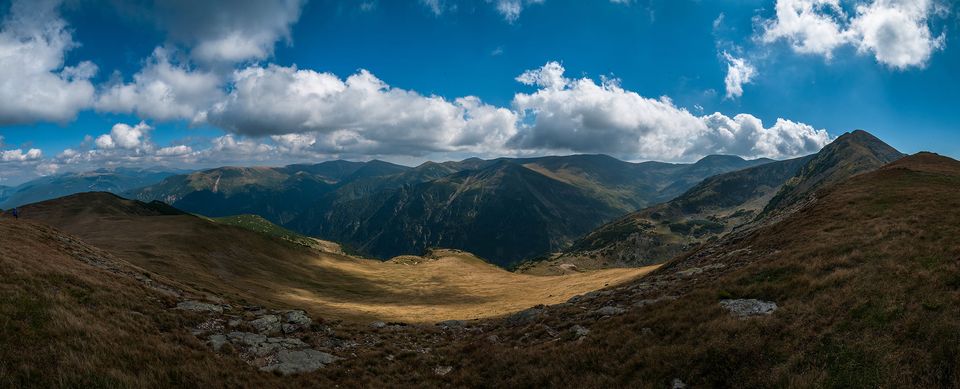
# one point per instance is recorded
(217, 72)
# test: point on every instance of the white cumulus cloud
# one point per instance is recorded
(174, 151)
(359, 114)
(585, 117)
(228, 31)
(739, 72)
(163, 90)
(34, 83)
(18, 155)
(125, 136)
(896, 32)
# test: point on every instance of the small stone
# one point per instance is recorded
(246, 338)
(378, 324)
(677, 384)
(217, 341)
(527, 316)
(493, 339)
(297, 317)
(609, 311)
(442, 370)
(266, 324)
(744, 308)
(197, 306)
(579, 330)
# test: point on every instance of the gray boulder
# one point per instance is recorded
(267, 324)
(246, 338)
(217, 341)
(579, 330)
(526, 316)
(197, 306)
(300, 361)
(378, 324)
(297, 317)
(744, 308)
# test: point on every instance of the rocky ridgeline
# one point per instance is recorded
(268, 339)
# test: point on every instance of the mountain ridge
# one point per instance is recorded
(336, 200)
(720, 204)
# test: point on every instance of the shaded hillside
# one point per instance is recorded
(656, 234)
(504, 212)
(720, 204)
(250, 266)
(851, 154)
(866, 281)
(102, 180)
(351, 202)
(75, 316)
(630, 186)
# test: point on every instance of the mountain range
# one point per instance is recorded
(718, 205)
(116, 180)
(849, 279)
(4, 193)
(504, 210)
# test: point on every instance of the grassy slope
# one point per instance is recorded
(65, 323)
(264, 226)
(246, 266)
(867, 278)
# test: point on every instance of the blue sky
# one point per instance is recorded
(254, 83)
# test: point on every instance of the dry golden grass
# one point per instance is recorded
(245, 266)
(64, 323)
(453, 285)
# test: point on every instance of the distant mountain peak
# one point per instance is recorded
(714, 159)
(850, 154)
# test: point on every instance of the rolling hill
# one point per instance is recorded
(254, 265)
(720, 204)
(380, 209)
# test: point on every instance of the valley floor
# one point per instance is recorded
(446, 285)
